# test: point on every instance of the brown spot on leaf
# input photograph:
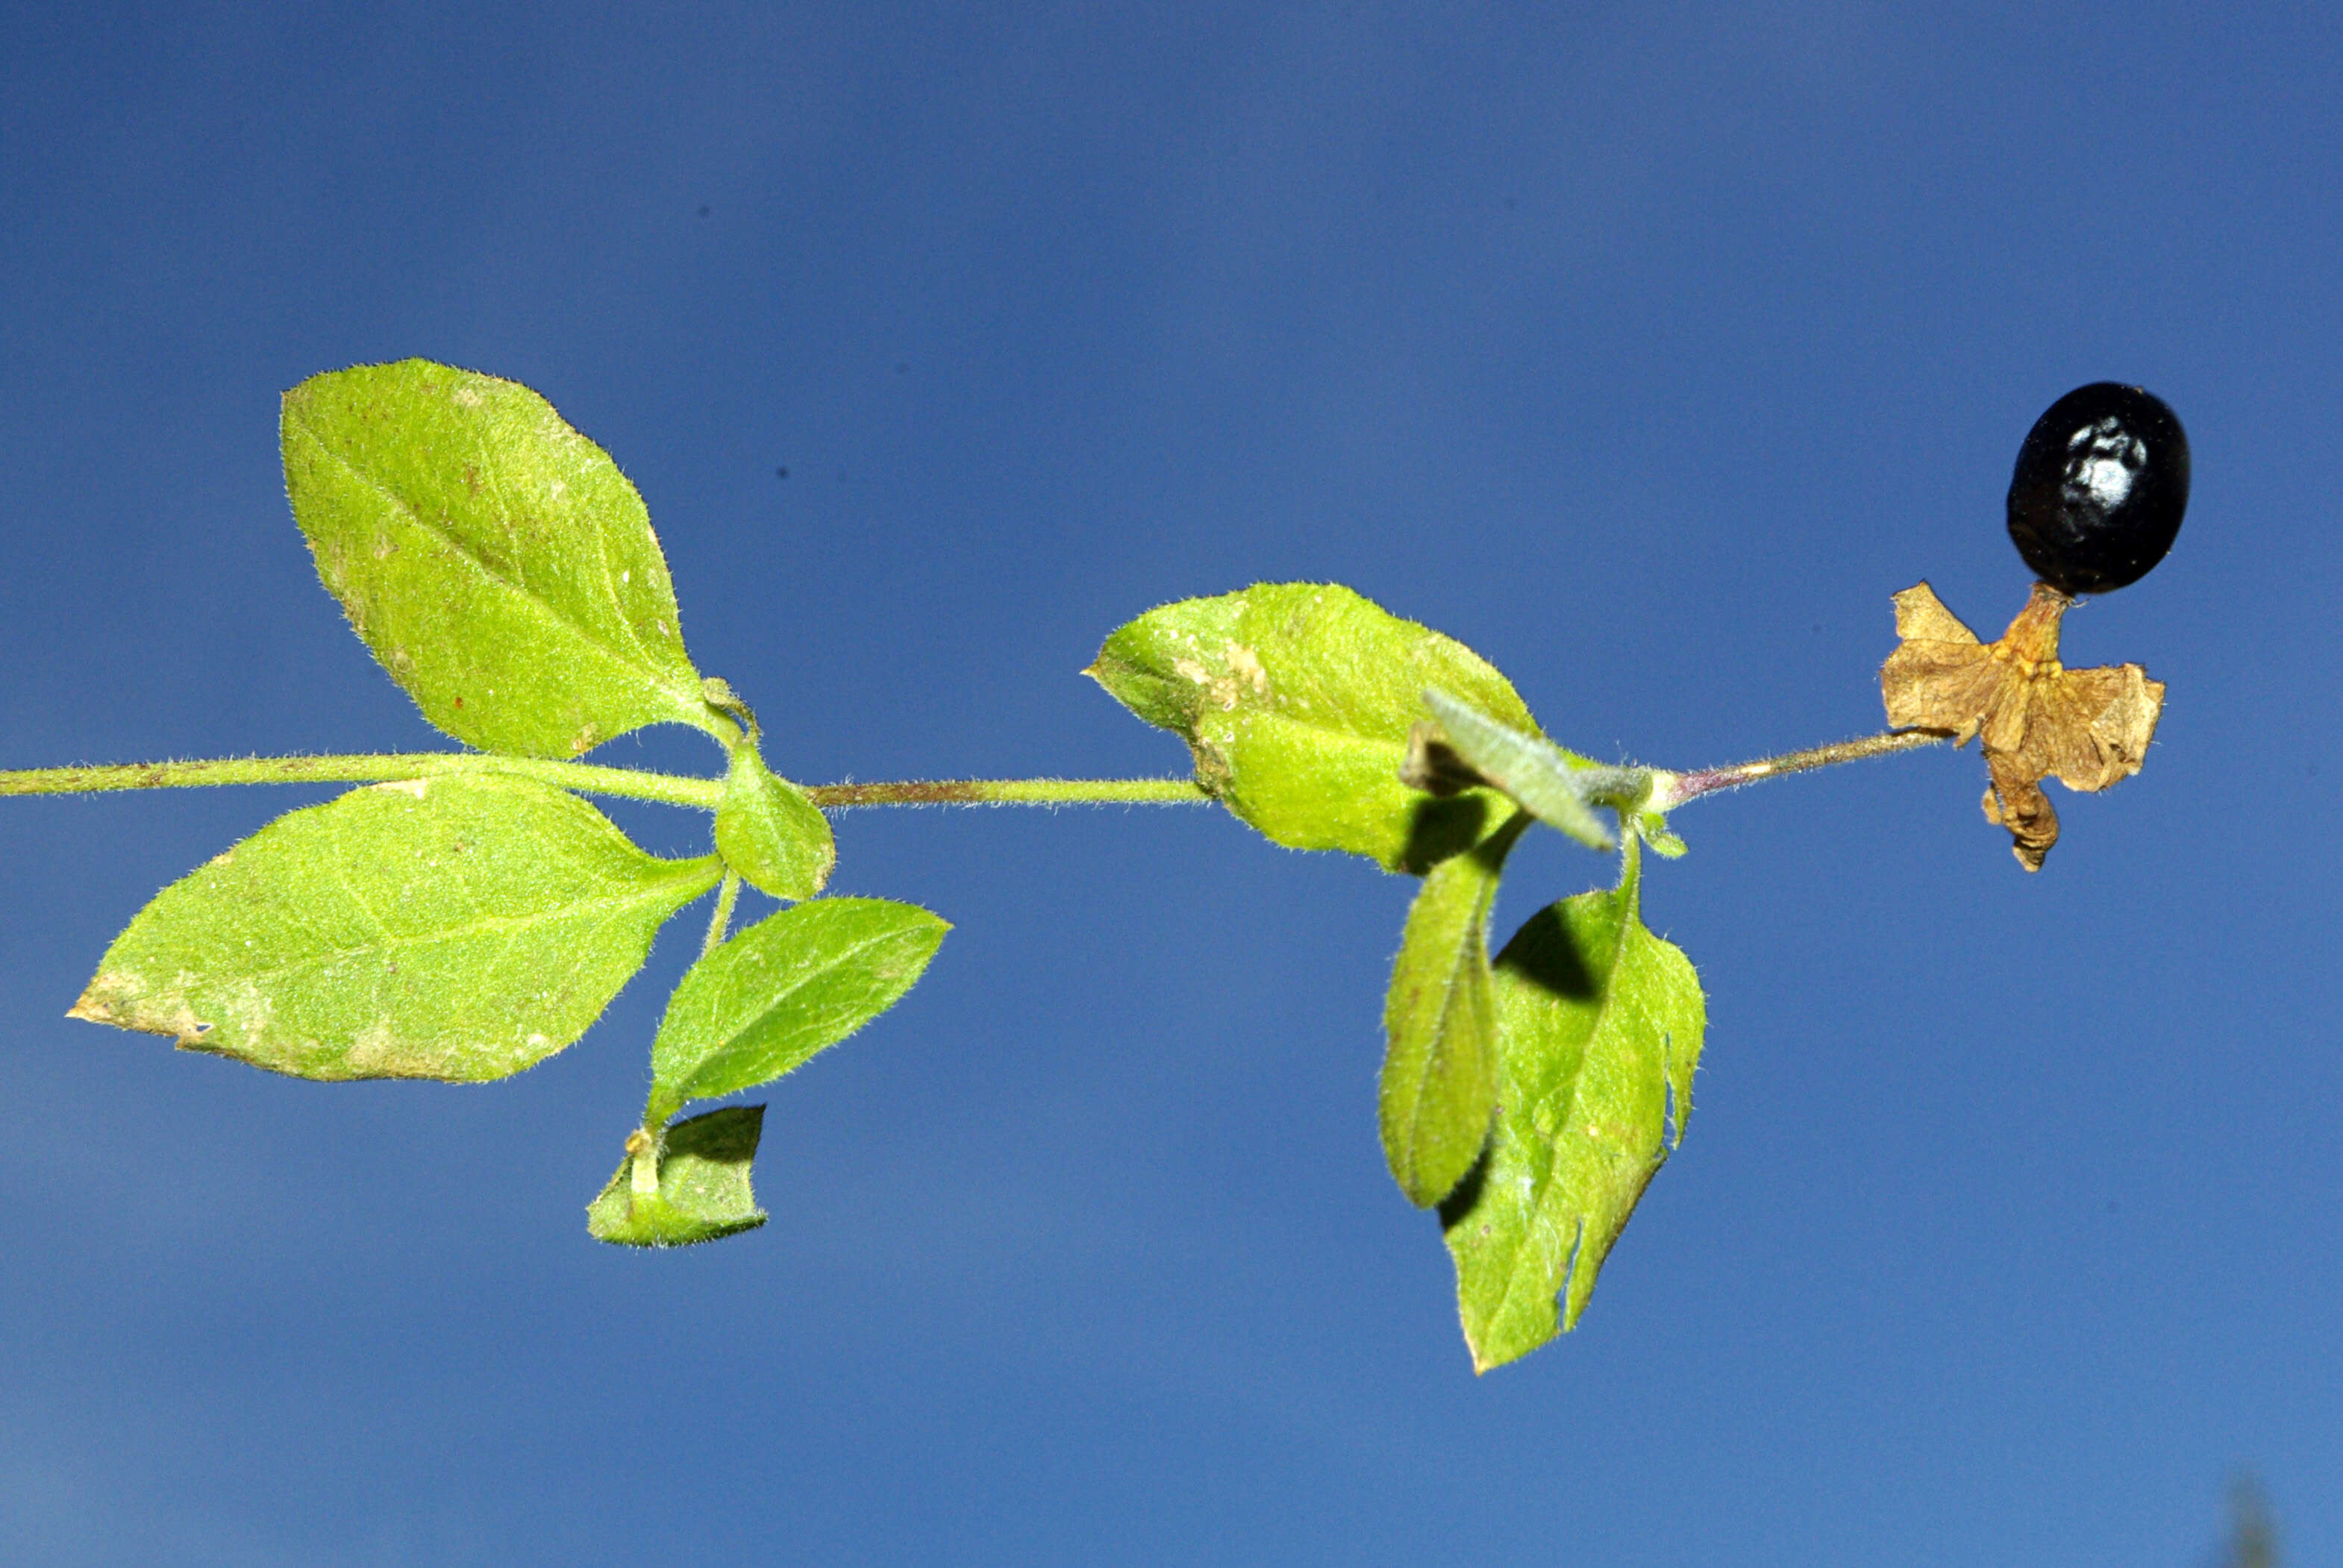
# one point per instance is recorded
(2033, 718)
(125, 1000)
(1433, 766)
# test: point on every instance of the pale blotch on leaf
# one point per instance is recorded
(2033, 718)
(1245, 673)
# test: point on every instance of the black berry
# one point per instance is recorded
(2099, 488)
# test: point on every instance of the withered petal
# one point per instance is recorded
(2126, 724)
(2033, 718)
(1920, 615)
(1937, 685)
(2009, 713)
(2018, 803)
(1940, 676)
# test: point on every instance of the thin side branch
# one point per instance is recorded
(1673, 790)
(1012, 792)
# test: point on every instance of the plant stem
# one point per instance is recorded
(380, 768)
(1670, 790)
(1012, 792)
(669, 789)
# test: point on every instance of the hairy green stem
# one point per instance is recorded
(366, 768)
(1670, 790)
(669, 788)
(1012, 792)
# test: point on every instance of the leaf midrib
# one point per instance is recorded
(1454, 989)
(1548, 1151)
(719, 1052)
(544, 608)
(1359, 738)
(496, 477)
(506, 927)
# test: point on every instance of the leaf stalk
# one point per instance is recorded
(721, 922)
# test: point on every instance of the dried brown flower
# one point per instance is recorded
(2033, 718)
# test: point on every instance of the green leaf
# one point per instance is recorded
(1440, 1065)
(767, 830)
(453, 927)
(495, 561)
(1651, 827)
(719, 694)
(1297, 700)
(786, 987)
(1550, 783)
(1599, 1028)
(697, 1182)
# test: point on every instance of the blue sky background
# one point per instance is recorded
(1648, 351)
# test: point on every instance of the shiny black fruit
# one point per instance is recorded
(2099, 489)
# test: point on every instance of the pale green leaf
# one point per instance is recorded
(453, 927)
(719, 694)
(789, 986)
(1653, 828)
(1549, 782)
(768, 831)
(1599, 1029)
(696, 1182)
(1439, 1060)
(495, 561)
(1296, 701)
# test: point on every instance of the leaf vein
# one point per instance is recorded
(516, 590)
(488, 927)
(1548, 1151)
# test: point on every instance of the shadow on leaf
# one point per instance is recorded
(1466, 1193)
(703, 1189)
(1543, 953)
(1440, 828)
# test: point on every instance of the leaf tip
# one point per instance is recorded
(112, 998)
(1490, 1350)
